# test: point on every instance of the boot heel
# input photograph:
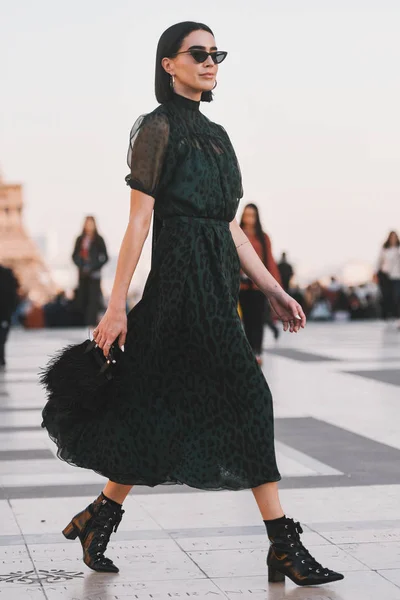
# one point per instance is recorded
(71, 532)
(275, 576)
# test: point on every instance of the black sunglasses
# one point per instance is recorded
(201, 56)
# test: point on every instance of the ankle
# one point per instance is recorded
(276, 516)
(272, 524)
(110, 500)
(275, 519)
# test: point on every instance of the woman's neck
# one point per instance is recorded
(187, 92)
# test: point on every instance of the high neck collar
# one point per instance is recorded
(183, 102)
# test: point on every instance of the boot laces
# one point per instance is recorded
(105, 522)
(301, 550)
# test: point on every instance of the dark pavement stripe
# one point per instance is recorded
(300, 355)
(391, 376)
(22, 428)
(360, 458)
(20, 408)
(33, 454)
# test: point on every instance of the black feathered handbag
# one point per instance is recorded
(79, 378)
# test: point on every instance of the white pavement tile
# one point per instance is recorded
(241, 563)
(8, 553)
(24, 436)
(103, 587)
(203, 509)
(363, 536)
(392, 575)
(36, 466)
(218, 509)
(74, 477)
(240, 542)
(51, 515)
(355, 586)
(342, 504)
(13, 591)
(143, 566)
(21, 418)
(21, 376)
(381, 555)
(28, 391)
(9, 525)
(289, 467)
(14, 565)
(12, 442)
(24, 395)
(72, 550)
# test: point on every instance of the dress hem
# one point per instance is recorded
(248, 486)
(128, 481)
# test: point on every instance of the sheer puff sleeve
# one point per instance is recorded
(146, 153)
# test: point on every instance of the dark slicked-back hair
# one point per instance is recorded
(169, 43)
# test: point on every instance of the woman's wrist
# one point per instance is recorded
(117, 305)
(276, 291)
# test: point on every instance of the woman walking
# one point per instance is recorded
(255, 307)
(388, 275)
(89, 255)
(190, 403)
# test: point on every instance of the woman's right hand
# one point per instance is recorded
(288, 311)
(113, 325)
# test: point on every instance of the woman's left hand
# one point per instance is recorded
(288, 311)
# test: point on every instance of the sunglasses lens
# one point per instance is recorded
(218, 57)
(199, 56)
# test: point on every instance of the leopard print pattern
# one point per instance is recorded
(190, 405)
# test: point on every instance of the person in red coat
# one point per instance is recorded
(254, 305)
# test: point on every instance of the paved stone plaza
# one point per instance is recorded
(336, 389)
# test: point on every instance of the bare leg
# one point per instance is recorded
(116, 491)
(267, 498)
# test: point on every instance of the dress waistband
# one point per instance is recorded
(192, 220)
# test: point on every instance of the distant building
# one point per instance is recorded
(18, 251)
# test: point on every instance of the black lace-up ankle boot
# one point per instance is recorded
(94, 526)
(288, 557)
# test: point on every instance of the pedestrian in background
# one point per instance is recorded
(8, 304)
(388, 276)
(90, 255)
(286, 272)
(253, 303)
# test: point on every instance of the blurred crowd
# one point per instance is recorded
(336, 302)
(379, 298)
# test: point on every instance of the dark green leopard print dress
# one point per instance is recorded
(190, 403)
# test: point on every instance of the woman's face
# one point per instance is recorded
(393, 239)
(249, 217)
(189, 74)
(89, 226)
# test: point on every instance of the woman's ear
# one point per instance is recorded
(166, 63)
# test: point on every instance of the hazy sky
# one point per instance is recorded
(309, 94)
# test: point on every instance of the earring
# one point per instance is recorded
(215, 84)
(172, 82)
